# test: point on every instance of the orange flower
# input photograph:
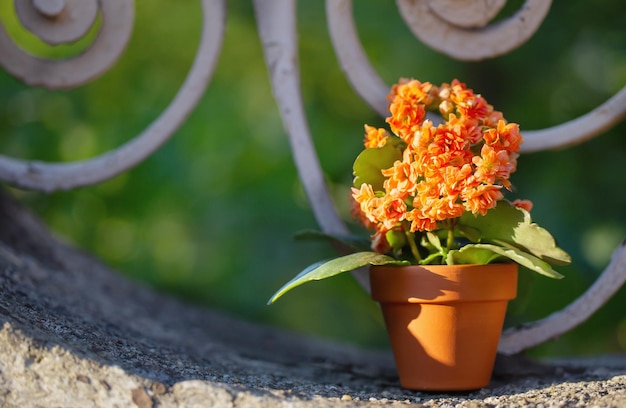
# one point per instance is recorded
(401, 179)
(456, 178)
(423, 137)
(358, 215)
(469, 129)
(467, 103)
(392, 212)
(367, 201)
(375, 137)
(420, 223)
(385, 212)
(493, 165)
(525, 204)
(505, 136)
(482, 198)
(451, 136)
(492, 118)
(408, 100)
(442, 208)
(434, 205)
(459, 165)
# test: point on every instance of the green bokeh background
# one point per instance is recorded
(210, 216)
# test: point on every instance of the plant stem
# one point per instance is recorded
(449, 224)
(450, 242)
(411, 239)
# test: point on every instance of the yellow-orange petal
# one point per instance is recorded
(525, 204)
(375, 137)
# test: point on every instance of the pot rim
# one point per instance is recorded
(443, 283)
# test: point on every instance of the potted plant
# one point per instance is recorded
(445, 244)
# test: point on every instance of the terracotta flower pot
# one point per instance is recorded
(444, 321)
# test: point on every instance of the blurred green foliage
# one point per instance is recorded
(210, 216)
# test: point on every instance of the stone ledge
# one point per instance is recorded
(76, 334)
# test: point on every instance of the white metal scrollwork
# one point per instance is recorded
(580, 129)
(277, 28)
(66, 21)
(65, 73)
(459, 28)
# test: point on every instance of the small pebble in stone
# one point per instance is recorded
(141, 398)
(346, 397)
(83, 378)
(105, 385)
(158, 388)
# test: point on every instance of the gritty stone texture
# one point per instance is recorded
(73, 333)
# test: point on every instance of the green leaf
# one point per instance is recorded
(468, 232)
(499, 222)
(434, 240)
(470, 254)
(436, 252)
(396, 239)
(512, 225)
(540, 243)
(523, 258)
(368, 165)
(327, 269)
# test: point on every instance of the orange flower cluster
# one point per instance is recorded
(446, 169)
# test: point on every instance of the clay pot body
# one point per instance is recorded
(444, 321)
